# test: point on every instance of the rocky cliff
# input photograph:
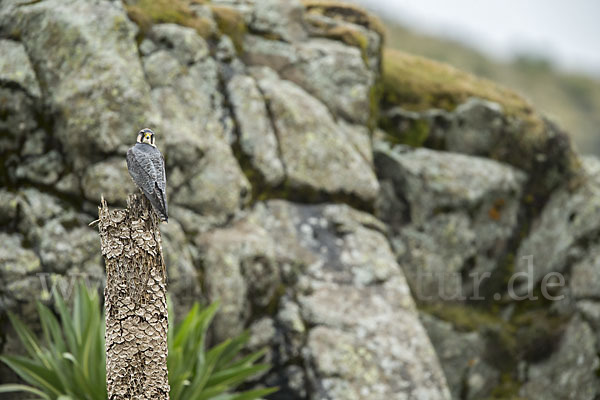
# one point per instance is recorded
(337, 198)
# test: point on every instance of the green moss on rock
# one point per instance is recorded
(417, 84)
(462, 317)
(231, 23)
(527, 140)
(508, 389)
(145, 13)
(347, 12)
(414, 135)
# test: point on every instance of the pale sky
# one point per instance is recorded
(566, 31)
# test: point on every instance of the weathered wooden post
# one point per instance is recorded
(135, 300)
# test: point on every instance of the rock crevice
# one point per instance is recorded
(336, 197)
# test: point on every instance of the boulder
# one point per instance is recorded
(584, 282)
(280, 18)
(87, 64)
(109, 179)
(346, 312)
(257, 139)
(330, 70)
(462, 211)
(18, 118)
(568, 373)
(336, 74)
(456, 111)
(15, 67)
(15, 260)
(353, 34)
(315, 150)
(260, 51)
(570, 221)
(185, 43)
(44, 169)
(63, 248)
(462, 356)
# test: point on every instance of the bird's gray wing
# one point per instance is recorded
(158, 162)
(161, 179)
(142, 168)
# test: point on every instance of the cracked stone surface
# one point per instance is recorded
(287, 205)
(257, 136)
(346, 317)
(562, 375)
(15, 67)
(314, 148)
(461, 213)
(70, 42)
(570, 221)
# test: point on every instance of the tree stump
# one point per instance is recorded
(135, 301)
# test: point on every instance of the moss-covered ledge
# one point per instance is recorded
(418, 84)
(526, 139)
(145, 13)
(227, 20)
(347, 12)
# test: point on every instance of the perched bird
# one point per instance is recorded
(146, 166)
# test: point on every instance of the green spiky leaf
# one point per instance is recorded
(70, 361)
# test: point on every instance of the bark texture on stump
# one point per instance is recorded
(136, 302)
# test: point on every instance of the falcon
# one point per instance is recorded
(146, 166)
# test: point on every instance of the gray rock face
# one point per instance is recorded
(224, 252)
(433, 180)
(462, 212)
(569, 373)
(43, 169)
(480, 127)
(16, 261)
(18, 120)
(590, 312)
(270, 53)
(26, 258)
(476, 127)
(87, 65)
(336, 74)
(331, 71)
(32, 209)
(570, 219)
(585, 275)
(282, 18)
(461, 356)
(188, 47)
(110, 179)
(266, 126)
(9, 207)
(62, 249)
(368, 41)
(257, 136)
(202, 172)
(314, 149)
(15, 67)
(347, 288)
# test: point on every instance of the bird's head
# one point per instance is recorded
(146, 136)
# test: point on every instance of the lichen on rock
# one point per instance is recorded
(518, 135)
(312, 179)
